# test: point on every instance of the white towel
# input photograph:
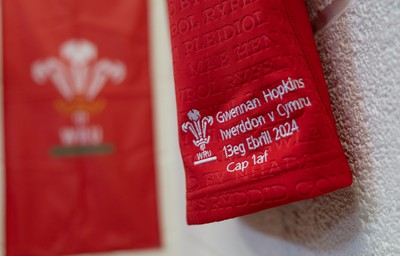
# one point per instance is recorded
(360, 52)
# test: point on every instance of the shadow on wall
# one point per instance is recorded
(330, 222)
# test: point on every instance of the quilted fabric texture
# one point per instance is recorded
(256, 125)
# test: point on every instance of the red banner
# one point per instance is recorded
(79, 154)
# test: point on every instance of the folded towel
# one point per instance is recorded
(360, 52)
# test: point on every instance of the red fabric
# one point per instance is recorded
(79, 155)
(255, 122)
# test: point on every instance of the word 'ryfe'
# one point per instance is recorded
(224, 8)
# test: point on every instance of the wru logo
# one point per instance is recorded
(198, 127)
(79, 77)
